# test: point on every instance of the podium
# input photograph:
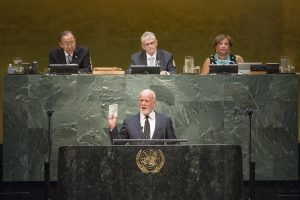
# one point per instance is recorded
(204, 110)
(150, 172)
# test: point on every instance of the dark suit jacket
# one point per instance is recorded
(132, 128)
(164, 58)
(81, 56)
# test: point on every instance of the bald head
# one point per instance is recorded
(147, 101)
(149, 93)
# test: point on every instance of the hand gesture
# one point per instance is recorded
(112, 122)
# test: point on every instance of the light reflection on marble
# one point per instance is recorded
(204, 109)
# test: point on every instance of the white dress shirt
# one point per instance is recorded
(66, 55)
(151, 120)
(151, 60)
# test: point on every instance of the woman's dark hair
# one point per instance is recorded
(221, 37)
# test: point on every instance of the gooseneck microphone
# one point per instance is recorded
(141, 133)
(157, 62)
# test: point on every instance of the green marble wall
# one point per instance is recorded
(262, 30)
(204, 109)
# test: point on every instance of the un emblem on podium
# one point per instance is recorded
(150, 160)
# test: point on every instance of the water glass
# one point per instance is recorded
(17, 65)
(188, 64)
(284, 64)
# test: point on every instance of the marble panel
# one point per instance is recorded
(204, 110)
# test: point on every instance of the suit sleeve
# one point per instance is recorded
(171, 131)
(132, 60)
(123, 134)
(86, 62)
(170, 65)
(52, 59)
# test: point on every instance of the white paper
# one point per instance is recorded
(113, 110)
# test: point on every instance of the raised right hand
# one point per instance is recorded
(112, 122)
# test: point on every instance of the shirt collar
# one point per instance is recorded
(149, 56)
(66, 54)
(151, 115)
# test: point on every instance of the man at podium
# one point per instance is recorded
(147, 124)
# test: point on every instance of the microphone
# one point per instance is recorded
(141, 133)
(252, 99)
(157, 62)
(165, 135)
(49, 112)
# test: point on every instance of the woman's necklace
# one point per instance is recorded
(222, 61)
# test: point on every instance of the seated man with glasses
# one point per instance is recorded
(151, 56)
(70, 53)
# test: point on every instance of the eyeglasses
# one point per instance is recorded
(68, 43)
(149, 43)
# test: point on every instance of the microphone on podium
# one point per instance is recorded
(141, 133)
(157, 62)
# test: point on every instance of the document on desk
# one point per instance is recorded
(113, 110)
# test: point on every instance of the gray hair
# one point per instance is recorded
(64, 33)
(147, 35)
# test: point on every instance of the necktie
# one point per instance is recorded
(151, 61)
(69, 59)
(147, 128)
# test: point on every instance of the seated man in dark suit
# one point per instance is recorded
(147, 124)
(152, 56)
(70, 53)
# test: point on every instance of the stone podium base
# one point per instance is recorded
(187, 172)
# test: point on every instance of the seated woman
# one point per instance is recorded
(222, 45)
